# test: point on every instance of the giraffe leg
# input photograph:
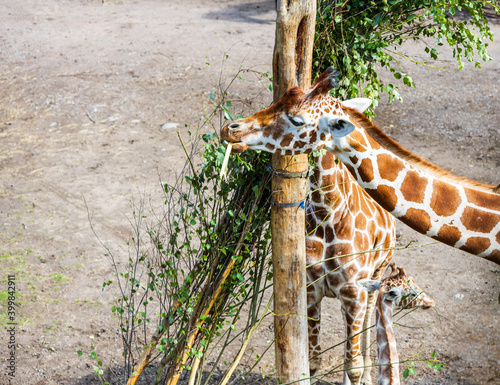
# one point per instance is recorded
(354, 314)
(314, 324)
(365, 340)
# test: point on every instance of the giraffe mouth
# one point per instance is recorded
(238, 146)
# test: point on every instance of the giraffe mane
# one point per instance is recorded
(382, 138)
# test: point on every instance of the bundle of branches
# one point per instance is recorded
(198, 263)
(207, 258)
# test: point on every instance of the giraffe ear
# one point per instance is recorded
(340, 127)
(369, 284)
(358, 104)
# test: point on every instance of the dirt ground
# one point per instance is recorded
(91, 95)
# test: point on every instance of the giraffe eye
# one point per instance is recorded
(297, 121)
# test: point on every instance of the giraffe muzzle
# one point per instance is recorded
(227, 133)
(428, 304)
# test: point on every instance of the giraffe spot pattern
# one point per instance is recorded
(494, 256)
(419, 219)
(413, 187)
(389, 165)
(317, 197)
(287, 139)
(366, 170)
(329, 235)
(482, 199)
(329, 180)
(360, 222)
(386, 195)
(320, 233)
(314, 249)
(445, 198)
(270, 147)
(321, 213)
(449, 234)
(479, 220)
(476, 244)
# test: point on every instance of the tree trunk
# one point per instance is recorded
(291, 67)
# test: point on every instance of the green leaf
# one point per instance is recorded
(411, 16)
(212, 96)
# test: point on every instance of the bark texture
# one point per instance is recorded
(291, 67)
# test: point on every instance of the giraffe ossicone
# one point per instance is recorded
(459, 212)
(397, 291)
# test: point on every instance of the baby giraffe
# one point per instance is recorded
(398, 291)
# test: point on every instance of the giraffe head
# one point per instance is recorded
(300, 122)
(400, 289)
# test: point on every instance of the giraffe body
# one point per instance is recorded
(398, 291)
(459, 212)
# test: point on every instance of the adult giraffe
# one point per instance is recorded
(457, 211)
(349, 238)
(397, 291)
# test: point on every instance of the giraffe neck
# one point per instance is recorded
(388, 361)
(330, 183)
(458, 215)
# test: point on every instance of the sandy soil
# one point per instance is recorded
(87, 92)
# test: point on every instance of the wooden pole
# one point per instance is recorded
(291, 67)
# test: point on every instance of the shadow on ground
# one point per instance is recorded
(245, 13)
(148, 376)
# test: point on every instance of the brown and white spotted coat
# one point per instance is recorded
(349, 238)
(459, 212)
(398, 291)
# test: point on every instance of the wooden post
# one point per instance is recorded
(291, 67)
